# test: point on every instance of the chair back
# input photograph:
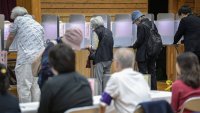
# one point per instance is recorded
(87, 109)
(159, 106)
(191, 104)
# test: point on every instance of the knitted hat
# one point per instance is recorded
(73, 37)
(135, 15)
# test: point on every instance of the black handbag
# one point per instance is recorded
(92, 55)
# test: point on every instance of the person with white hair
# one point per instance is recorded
(28, 36)
(126, 87)
(104, 52)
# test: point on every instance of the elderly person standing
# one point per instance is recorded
(104, 52)
(29, 38)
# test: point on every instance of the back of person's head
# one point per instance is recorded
(96, 22)
(73, 37)
(4, 82)
(62, 58)
(18, 11)
(188, 64)
(185, 9)
(125, 57)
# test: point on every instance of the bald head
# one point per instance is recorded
(125, 57)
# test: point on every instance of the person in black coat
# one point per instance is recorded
(104, 52)
(67, 89)
(146, 65)
(189, 27)
(8, 102)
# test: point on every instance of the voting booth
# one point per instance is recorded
(1, 31)
(124, 32)
(165, 26)
(50, 24)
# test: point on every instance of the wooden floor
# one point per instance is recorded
(160, 84)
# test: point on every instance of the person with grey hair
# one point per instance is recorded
(28, 36)
(124, 86)
(104, 52)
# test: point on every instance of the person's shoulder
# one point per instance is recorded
(178, 83)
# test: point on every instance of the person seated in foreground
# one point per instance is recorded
(126, 87)
(67, 89)
(73, 37)
(8, 102)
(188, 84)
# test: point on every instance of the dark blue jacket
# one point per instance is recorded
(104, 50)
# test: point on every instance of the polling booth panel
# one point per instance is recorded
(50, 24)
(149, 16)
(78, 21)
(165, 26)
(123, 31)
(13, 46)
(2, 31)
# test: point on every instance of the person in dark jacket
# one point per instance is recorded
(189, 27)
(67, 89)
(146, 65)
(73, 36)
(8, 102)
(104, 51)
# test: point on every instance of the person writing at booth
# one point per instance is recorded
(189, 28)
(28, 35)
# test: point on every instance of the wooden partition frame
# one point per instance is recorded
(172, 52)
(174, 5)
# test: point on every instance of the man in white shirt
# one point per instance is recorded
(126, 87)
(28, 35)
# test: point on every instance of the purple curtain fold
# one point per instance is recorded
(6, 6)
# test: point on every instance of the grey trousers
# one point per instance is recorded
(102, 74)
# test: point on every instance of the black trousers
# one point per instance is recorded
(149, 67)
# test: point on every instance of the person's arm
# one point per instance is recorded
(45, 99)
(140, 37)
(111, 91)
(180, 31)
(175, 97)
(13, 31)
(9, 41)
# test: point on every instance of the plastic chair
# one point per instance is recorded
(87, 109)
(191, 104)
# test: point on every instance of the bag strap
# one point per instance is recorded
(150, 27)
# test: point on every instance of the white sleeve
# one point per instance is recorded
(14, 26)
(112, 87)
